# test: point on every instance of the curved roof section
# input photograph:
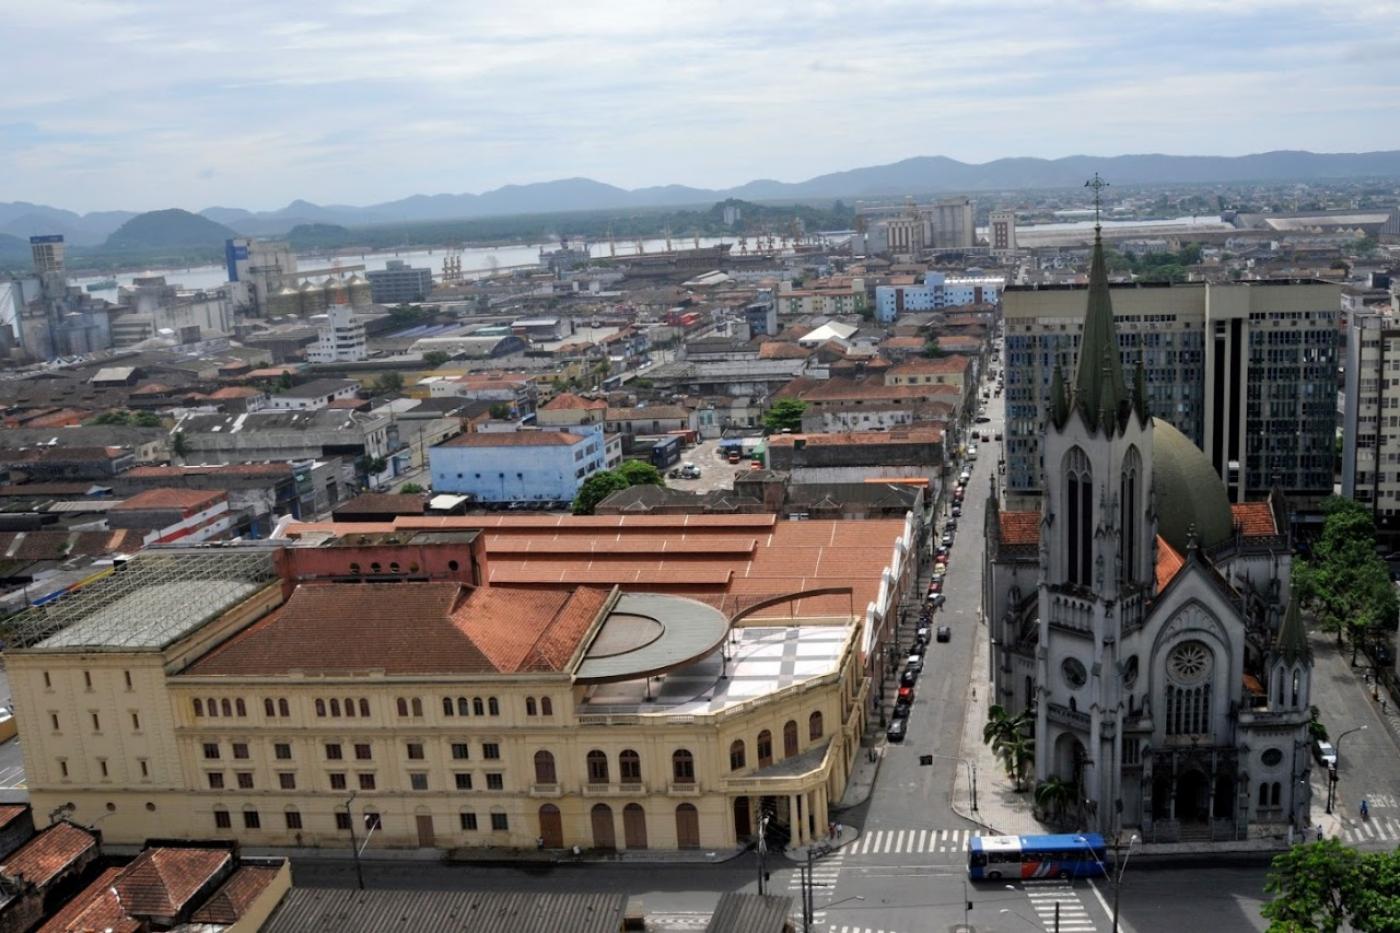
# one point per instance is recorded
(1189, 491)
(647, 634)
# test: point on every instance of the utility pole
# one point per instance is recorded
(808, 895)
(354, 847)
(763, 854)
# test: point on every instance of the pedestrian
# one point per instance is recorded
(1319, 832)
(831, 830)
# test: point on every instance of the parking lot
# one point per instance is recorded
(715, 472)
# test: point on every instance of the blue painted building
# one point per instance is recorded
(518, 466)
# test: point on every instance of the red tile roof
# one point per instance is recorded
(1169, 562)
(1254, 519)
(236, 392)
(160, 882)
(384, 503)
(96, 908)
(9, 813)
(567, 401)
(903, 343)
(228, 904)
(44, 857)
(340, 627)
(938, 365)
(840, 390)
(1019, 528)
(188, 499)
(927, 435)
(782, 350)
(515, 439)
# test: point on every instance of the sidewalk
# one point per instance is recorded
(494, 855)
(840, 837)
(863, 774)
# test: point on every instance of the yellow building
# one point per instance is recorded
(256, 693)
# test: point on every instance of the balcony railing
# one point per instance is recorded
(1071, 613)
(1066, 716)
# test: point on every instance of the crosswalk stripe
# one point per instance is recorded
(923, 834)
(910, 841)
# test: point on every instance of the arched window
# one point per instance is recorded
(530, 708)
(268, 708)
(447, 706)
(765, 748)
(597, 767)
(629, 767)
(1263, 795)
(492, 707)
(226, 708)
(1079, 514)
(1128, 515)
(320, 707)
(736, 754)
(213, 707)
(478, 707)
(790, 738)
(283, 707)
(546, 706)
(1297, 685)
(682, 766)
(401, 705)
(418, 707)
(544, 768)
(198, 707)
(463, 708)
(364, 707)
(240, 707)
(814, 726)
(335, 707)
(350, 707)
(1275, 791)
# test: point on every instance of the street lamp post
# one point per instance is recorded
(1332, 771)
(354, 846)
(1116, 878)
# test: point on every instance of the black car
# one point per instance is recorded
(908, 678)
(983, 419)
(901, 711)
(945, 633)
(895, 733)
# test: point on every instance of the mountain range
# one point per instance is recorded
(920, 175)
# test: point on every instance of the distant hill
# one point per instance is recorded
(24, 220)
(168, 229)
(13, 251)
(916, 176)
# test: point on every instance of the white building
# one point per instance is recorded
(314, 395)
(340, 337)
(1370, 445)
(1146, 624)
(264, 266)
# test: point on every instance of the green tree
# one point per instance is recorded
(597, 488)
(284, 381)
(1311, 885)
(640, 473)
(1054, 795)
(932, 349)
(409, 489)
(435, 358)
(388, 383)
(500, 411)
(1343, 579)
(117, 417)
(146, 419)
(1010, 739)
(179, 445)
(786, 414)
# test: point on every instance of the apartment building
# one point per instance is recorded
(1246, 370)
(1371, 416)
(340, 338)
(249, 692)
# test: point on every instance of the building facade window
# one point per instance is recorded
(544, 768)
(629, 767)
(597, 767)
(683, 766)
(736, 755)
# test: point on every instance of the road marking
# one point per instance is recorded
(908, 842)
(1107, 911)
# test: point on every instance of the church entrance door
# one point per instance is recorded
(1193, 797)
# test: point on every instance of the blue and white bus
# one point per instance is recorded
(1058, 856)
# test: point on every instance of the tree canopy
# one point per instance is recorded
(1325, 885)
(785, 415)
(640, 473)
(597, 488)
(1343, 578)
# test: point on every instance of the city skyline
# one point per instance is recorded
(245, 106)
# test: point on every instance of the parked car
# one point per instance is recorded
(895, 733)
(936, 600)
(908, 678)
(997, 435)
(947, 539)
(922, 634)
(945, 633)
(983, 419)
(950, 525)
(935, 586)
(940, 568)
(956, 510)
(914, 664)
(901, 711)
(906, 694)
(1325, 753)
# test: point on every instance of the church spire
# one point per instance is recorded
(1098, 379)
(1292, 641)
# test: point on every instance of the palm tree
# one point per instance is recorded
(1053, 795)
(1009, 738)
(1017, 756)
(1001, 726)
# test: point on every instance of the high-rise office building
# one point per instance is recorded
(1001, 231)
(398, 282)
(1371, 415)
(1246, 370)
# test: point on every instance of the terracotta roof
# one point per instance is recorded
(903, 343)
(928, 435)
(96, 908)
(782, 350)
(568, 401)
(228, 904)
(44, 857)
(219, 469)
(160, 882)
(9, 813)
(953, 342)
(837, 390)
(384, 503)
(340, 627)
(1254, 519)
(1169, 562)
(164, 498)
(938, 365)
(151, 388)
(60, 545)
(236, 392)
(515, 439)
(1019, 528)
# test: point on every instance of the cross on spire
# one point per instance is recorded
(1098, 184)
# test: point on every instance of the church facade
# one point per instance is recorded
(1146, 623)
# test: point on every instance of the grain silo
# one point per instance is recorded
(285, 301)
(313, 299)
(336, 292)
(361, 295)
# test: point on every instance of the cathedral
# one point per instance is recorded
(1144, 622)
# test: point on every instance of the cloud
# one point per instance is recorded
(160, 101)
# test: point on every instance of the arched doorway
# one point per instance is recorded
(1069, 758)
(634, 826)
(1161, 795)
(604, 836)
(743, 822)
(1225, 797)
(551, 827)
(687, 827)
(1192, 796)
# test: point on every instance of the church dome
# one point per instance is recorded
(1189, 491)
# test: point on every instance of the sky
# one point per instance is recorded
(147, 104)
